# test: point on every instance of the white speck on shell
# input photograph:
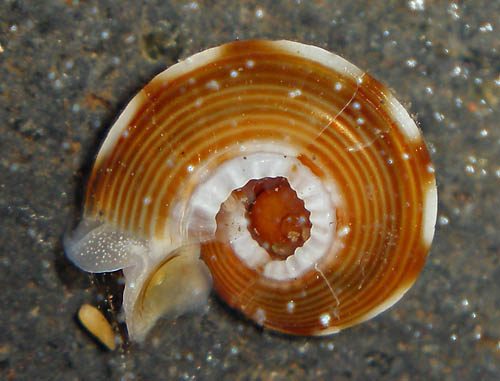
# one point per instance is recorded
(260, 316)
(213, 85)
(325, 319)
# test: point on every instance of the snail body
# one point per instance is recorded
(277, 173)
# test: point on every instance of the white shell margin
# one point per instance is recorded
(430, 212)
(233, 174)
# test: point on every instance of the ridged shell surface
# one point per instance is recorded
(261, 110)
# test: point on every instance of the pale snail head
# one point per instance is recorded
(279, 173)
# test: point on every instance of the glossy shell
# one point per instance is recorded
(263, 110)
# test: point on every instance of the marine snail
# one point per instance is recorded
(279, 173)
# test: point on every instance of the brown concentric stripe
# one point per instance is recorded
(263, 306)
(182, 122)
(169, 101)
(181, 128)
(409, 242)
(154, 170)
(269, 307)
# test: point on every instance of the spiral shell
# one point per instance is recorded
(282, 173)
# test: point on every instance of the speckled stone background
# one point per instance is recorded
(67, 68)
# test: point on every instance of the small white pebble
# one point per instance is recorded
(456, 71)
(193, 5)
(486, 27)
(443, 220)
(470, 169)
(411, 63)
(438, 116)
(416, 5)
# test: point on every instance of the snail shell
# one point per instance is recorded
(280, 174)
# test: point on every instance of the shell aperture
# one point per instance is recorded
(282, 173)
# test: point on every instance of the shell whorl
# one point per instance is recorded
(188, 134)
